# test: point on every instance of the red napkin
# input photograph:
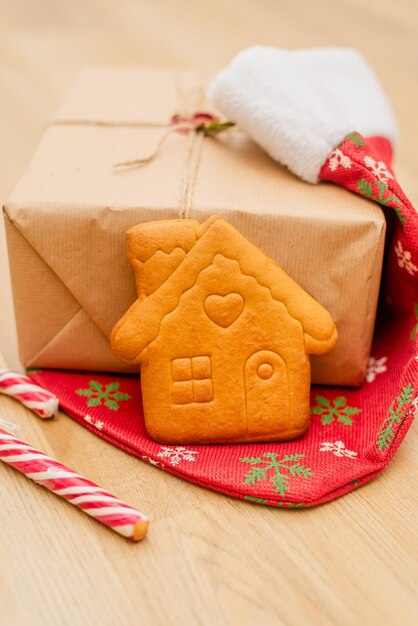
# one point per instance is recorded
(354, 433)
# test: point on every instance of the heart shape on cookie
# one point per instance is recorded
(224, 310)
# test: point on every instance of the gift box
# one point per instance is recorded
(66, 220)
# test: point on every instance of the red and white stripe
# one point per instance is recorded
(79, 491)
(39, 400)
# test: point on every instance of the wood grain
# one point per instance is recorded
(208, 559)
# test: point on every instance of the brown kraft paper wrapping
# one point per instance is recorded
(66, 221)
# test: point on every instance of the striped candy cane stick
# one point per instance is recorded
(79, 491)
(39, 400)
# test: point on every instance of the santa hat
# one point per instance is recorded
(299, 105)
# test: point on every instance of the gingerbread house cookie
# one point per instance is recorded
(222, 335)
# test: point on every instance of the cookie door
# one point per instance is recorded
(267, 393)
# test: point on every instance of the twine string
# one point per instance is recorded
(178, 128)
(200, 123)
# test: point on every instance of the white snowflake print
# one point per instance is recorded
(151, 461)
(337, 158)
(414, 406)
(405, 259)
(378, 168)
(375, 367)
(177, 454)
(96, 423)
(337, 448)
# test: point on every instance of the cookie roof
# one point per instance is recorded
(141, 324)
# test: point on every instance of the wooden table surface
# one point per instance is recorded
(208, 559)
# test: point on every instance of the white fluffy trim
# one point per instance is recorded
(299, 105)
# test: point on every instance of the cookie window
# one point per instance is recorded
(192, 380)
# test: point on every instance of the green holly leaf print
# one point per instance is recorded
(103, 395)
(291, 505)
(121, 396)
(85, 392)
(407, 394)
(398, 211)
(112, 386)
(344, 419)
(93, 402)
(351, 410)
(112, 405)
(281, 483)
(255, 500)
(322, 401)
(335, 411)
(339, 402)
(356, 139)
(257, 474)
(277, 471)
(317, 410)
(300, 470)
(93, 384)
(397, 413)
(322, 407)
(388, 200)
(365, 188)
(288, 457)
(252, 461)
